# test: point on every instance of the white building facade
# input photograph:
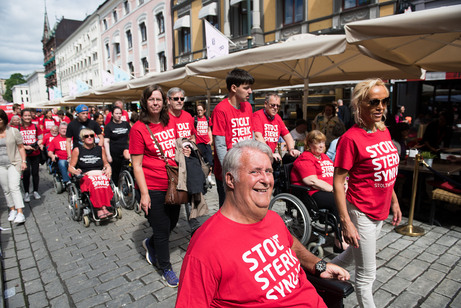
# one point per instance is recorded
(21, 94)
(37, 87)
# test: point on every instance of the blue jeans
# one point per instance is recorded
(63, 166)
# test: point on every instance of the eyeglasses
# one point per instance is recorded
(376, 102)
(178, 98)
(275, 106)
(88, 136)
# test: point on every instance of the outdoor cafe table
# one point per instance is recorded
(444, 167)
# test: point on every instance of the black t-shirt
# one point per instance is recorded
(75, 126)
(90, 159)
(118, 135)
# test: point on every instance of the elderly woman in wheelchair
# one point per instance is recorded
(91, 171)
(313, 169)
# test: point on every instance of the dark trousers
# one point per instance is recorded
(221, 192)
(116, 166)
(326, 200)
(33, 164)
(162, 219)
(205, 149)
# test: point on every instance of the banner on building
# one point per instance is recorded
(107, 78)
(73, 89)
(217, 44)
(51, 94)
(120, 75)
(57, 93)
(82, 86)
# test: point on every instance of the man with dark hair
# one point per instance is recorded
(244, 255)
(125, 117)
(16, 111)
(268, 126)
(231, 120)
(76, 125)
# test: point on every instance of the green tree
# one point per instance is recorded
(15, 79)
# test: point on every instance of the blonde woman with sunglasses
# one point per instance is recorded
(367, 155)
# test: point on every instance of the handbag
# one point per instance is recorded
(173, 195)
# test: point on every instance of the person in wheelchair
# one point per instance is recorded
(89, 161)
(57, 153)
(315, 170)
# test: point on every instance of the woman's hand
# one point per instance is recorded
(350, 234)
(28, 147)
(107, 171)
(145, 203)
(186, 151)
(23, 166)
(77, 171)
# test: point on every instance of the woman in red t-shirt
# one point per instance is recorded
(314, 169)
(366, 153)
(151, 177)
(47, 122)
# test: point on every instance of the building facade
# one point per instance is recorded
(37, 87)
(136, 36)
(21, 94)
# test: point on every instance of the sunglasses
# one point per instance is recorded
(275, 106)
(178, 98)
(88, 136)
(376, 102)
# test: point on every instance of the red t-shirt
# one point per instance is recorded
(47, 139)
(66, 119)
(270, 129)
(202, 130)
(152, 164)
(222, 270)
(30, 135)
(35, 121)
(184, 124)
(232, 123)
(58, 147)
(373, 164)
(56, 118)
(48, 124)
(99, 188)
(125, 117)
(307, 165)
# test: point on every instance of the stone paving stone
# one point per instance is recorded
(435, 300)
(383, 274)
(407, 299)
(165, 293)
(16, 301)
(437, 249)
(11, 273)
(427, 257)
(455, 274)
(33, 286)
(396, 285)
(94, 301)
(448, 240)
(387, 253)
(38, 300)
(148, 301)
(81, 282)
(448, 288)
(455, 250)
(27, 263)
(440, 267)
(422, 286)
(382, 298)
(54, 289)
(398, 262)
(109, 285)
(60, 301)
(114, 273)
(456, 302)
(121, 301)
(83, 294)
(433, 275)
(413, 269)
(400, 244)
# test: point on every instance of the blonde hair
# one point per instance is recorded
(314, 136)
(361, 93)
(86, 131)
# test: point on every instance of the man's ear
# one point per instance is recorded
(233, 88)
(230, 180)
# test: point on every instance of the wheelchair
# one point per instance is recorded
(126, 188)
(300, 212)
(58, 184)
(81, 207)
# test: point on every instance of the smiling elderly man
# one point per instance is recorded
(244, 256)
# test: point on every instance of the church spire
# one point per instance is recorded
(46, 27)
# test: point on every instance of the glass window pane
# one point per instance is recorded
(299, 8)
(288, 11)
(349, 4)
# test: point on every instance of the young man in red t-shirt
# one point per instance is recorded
(204, 136)
(231, 120)
(268, 126)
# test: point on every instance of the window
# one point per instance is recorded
(160, 23)
(126, 5)
(145, 65)
(21, 92)
(108, 50)
(184, 40)
(140, 2)
(162, 61)
(131, 68)
(105, 24)
(349, 4)
(95, 56)
(143, 30)
(239, 19)
(129, 39)
(117, 49)
(114, 13)
(292, 11)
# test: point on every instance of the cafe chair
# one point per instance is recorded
(441, 195)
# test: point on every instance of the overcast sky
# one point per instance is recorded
(21, 30)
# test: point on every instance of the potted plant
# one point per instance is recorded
(300, 145)
(428, 157)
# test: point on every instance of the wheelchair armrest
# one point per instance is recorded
(331, 287)
(300, 187)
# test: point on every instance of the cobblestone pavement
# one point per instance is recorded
(53, 261)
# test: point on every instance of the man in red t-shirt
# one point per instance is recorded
(202, 124)
(125, 116)
(183, 120)
(231, 120)
(268, 126)
(264, 269)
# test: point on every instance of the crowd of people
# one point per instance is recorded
(245, 143)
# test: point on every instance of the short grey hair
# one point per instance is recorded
(232, 160)
(175, 90)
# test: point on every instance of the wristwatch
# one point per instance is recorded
(320, 267)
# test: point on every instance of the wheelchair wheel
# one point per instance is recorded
(294, 215)
(86, 221)
(316, 249)
(119, 213)
(126, 190)
(58, 184)
(74, 203)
